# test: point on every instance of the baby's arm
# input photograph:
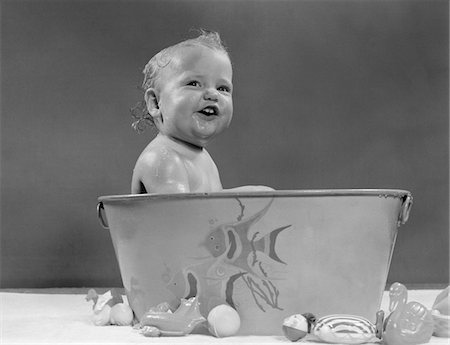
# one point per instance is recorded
(250, 188)
(157, 172)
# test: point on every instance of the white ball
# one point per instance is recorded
(121, 314)
(223, 321)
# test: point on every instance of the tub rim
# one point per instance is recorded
(127, 199)
(396, 193)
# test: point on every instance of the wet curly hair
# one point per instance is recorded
(141, 117)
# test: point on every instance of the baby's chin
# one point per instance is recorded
(204, 131)
(199, 140)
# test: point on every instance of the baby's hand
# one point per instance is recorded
(250, 189)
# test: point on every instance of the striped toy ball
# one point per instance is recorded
(295, 327)
(345, 329)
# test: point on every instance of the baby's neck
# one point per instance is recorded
(179, 145)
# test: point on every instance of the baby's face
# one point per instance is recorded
(195, 95)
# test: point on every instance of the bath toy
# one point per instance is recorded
(110, 297)
(441, 314)
(121, 315)
(161, 321)
(101, 317)
(344, 328)
(296, 327)
(409, 323)
(337, 328)
(442, 302)
(223, 321)
(109, 308)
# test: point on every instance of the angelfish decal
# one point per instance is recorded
(236, 245)
(242, 264)
(183, 283)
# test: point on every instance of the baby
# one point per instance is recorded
(188, 98)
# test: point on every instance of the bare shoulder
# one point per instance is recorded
(156, 167)
(158, 155)
(157, 159)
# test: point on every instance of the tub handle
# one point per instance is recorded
(406, 207)
(103, 223)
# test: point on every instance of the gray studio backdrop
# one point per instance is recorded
(328, 94)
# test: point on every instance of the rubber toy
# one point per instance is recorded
(296, 327)
(223, 321)
(161, 321)
(408, 323)
(336, 328)
(121, 315)
(441, 314)
(109, 308)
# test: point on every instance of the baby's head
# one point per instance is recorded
(188, 90)
(209, 39)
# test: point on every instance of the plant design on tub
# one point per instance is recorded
(238, 255)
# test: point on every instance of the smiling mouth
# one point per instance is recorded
(209, 111)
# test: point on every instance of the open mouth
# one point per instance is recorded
(210, 110)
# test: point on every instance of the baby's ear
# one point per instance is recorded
(151, 99)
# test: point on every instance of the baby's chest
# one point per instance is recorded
(202, 175)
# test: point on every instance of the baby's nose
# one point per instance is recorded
(211, 94)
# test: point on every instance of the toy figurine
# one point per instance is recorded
(161, 321)
(109, 308)
(409, 323)
(441, 314)
(339, 328)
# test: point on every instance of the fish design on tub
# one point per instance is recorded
(239, 246)
(241, 266)
(210, 278)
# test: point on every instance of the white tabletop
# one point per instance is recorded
(64, 317)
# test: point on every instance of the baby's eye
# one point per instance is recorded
(224, 88)
(193, 83)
